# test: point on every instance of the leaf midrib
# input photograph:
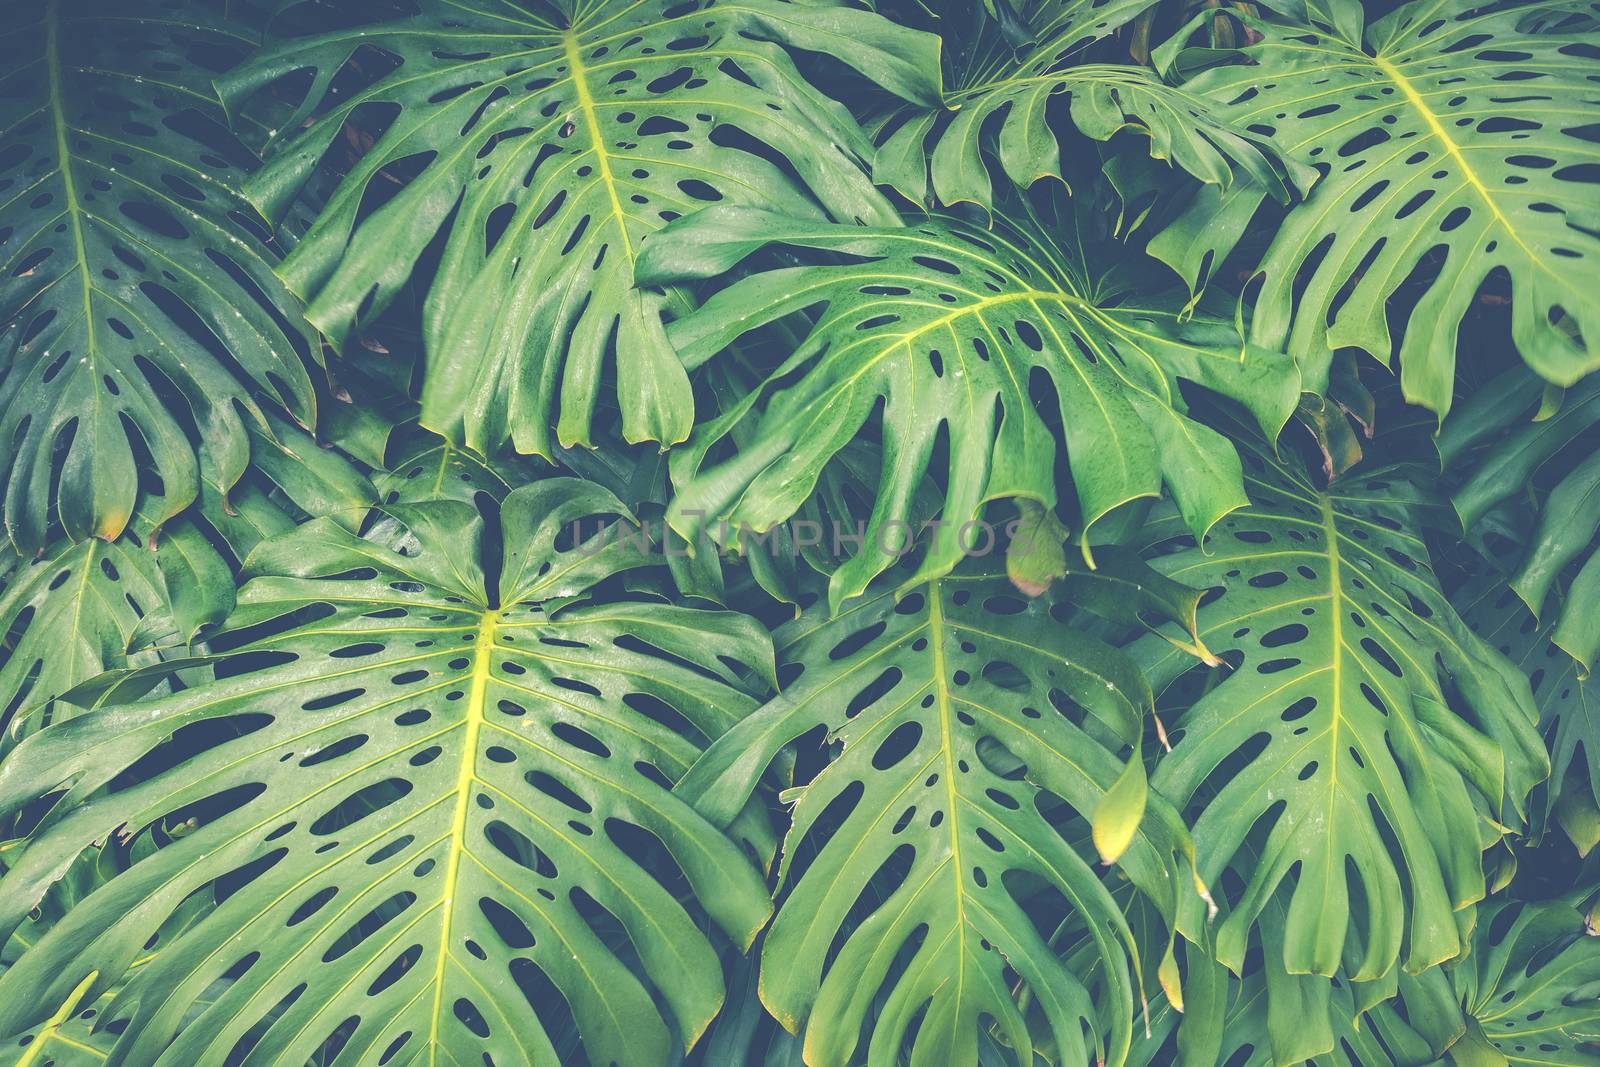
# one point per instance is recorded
(591, 121)
(1453, 150)
(936, 638)
(109, 524)
(52, 1027)
(473, 717)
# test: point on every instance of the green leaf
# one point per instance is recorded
(1532, 986)
(947, 324)
(1568, 701)
(425, 466)
(74, 1035)
(137, 294)
(1123, 588)
(1445, 125)
(548, 141)
(917, 842)
(291, 478)
(433, 802)
(1022, 89)
(1116, 818)
(1363, 739)
(1036, 555)
(1257, 1036)
(1578, 813)
(1558, 572)
(66, 616)
(199, 584)
(77, 610)
(1271, 1017)
(65, 1038)
(1330, 417)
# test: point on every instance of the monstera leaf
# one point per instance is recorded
(912, 855)
(431, 807)
(985, 78)
(1365, 746)
(1456, 140)
(1568, 701)
(427, 467)
(142, 319)
(67, 1039)
(66, 616)
(951, 325)
(1531, 989)
(72, 1035)
(1242, 1027)
(548, 139)
(78, 609)
(1558, 572)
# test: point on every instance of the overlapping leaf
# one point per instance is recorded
(416, 802)
(1456, 140)
(950, 327)
(427, 816)
(78, 609)
(1531, 988)
(912, 856)
(1270, 1016)
(140, 311)
(72, 1034)
(1364, 747)
(1569, 704)
(67, 616)
(1527, 995)
(548, 139)
(1035, 93)
(1558, 572)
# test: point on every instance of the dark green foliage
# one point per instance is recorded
(1020, 533)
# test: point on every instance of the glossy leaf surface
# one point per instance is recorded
(437, 807)
(137, 296)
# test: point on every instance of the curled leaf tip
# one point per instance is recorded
(1205, 895)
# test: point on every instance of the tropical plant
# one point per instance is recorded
(827, 532)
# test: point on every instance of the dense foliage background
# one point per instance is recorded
(772, 531)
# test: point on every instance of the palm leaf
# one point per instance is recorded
(421, 807)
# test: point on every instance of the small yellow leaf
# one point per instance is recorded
(1120, 812)
(1167, 974)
